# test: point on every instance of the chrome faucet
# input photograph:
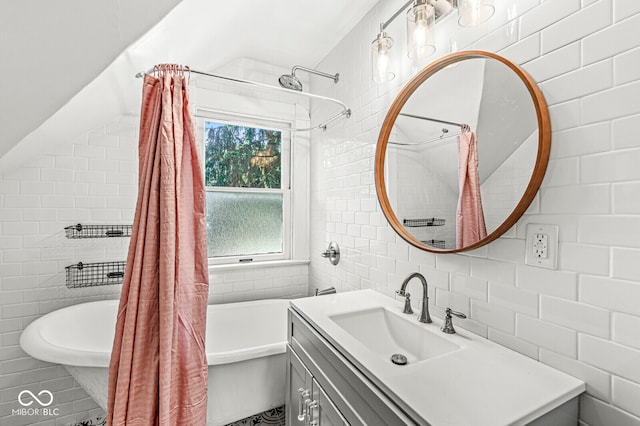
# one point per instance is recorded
(424, 311)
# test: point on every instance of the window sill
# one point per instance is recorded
(256, 265)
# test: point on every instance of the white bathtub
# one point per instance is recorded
(246, 344)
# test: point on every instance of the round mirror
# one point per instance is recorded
(462, 152)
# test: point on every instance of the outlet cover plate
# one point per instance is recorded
(542, 236)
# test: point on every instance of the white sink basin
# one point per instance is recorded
(386, 333)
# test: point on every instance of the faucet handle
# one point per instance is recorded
(450, 312)
(447, 326)
(407, 304)
(400, 292)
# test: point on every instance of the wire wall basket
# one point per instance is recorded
(441, 244)
(414, 223)
(94, 274)
(98, 231)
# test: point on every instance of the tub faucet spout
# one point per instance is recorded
(424, 310)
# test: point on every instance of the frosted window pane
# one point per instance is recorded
(243, 223)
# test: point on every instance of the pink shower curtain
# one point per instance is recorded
(470, 227)
(158, 370)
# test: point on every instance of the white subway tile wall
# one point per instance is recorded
(582, 318)
(91, 180)
(44, 196)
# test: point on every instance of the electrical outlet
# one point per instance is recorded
(540, 242)
(542, 245)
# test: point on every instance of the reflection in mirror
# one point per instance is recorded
(421, 161)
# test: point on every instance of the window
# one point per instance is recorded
(247, 181)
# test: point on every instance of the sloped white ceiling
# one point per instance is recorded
(51, 49)
(76, 59)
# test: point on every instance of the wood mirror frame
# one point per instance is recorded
(542, 159)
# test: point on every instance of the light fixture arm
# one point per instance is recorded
(384, 25)
(335, 77)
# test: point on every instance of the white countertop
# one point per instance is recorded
(482, 383)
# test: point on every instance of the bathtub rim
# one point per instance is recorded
(35, 344)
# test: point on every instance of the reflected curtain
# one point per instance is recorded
(158, 369)
(470, 225)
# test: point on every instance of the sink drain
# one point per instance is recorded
(398, 359)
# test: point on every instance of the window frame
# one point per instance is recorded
(286, 143)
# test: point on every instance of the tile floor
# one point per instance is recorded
(98, 421)
(273, 417)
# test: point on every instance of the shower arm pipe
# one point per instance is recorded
(334, 77)
(346, 111)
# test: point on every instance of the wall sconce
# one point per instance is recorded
(381, 57)
(421, 21)
(474, 12)
(422, 15)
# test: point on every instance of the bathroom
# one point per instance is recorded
(75, 161)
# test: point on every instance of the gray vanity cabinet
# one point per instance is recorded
(308, 404)
(328, 414)
(324, 388)
(338, 393)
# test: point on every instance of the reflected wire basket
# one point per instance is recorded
(413, 223)
(94, 274)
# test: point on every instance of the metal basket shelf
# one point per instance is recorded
(94, 274)
(98, 231)
(441, 244)
(414, 223)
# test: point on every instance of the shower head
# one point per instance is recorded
(290, 81)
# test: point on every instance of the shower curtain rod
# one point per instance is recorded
(431, 119)
(346, 111)
(427, 142)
